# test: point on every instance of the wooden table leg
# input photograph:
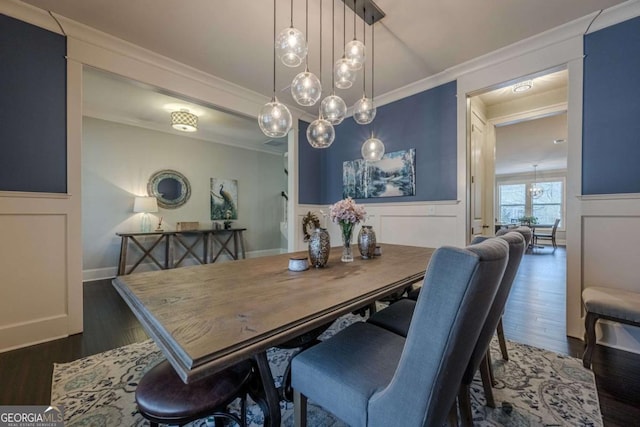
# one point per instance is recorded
(270, 400)
(122, 263)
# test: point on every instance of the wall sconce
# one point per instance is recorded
(145, 205)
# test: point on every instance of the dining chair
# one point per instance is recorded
(528, 238)
(398, 317)
(548, 236)
(369, 376)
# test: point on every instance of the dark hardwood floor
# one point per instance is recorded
(534, 315)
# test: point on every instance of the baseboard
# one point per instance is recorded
(111, 272)
(33, 332)
(618, 336)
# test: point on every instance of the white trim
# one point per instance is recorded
(619, 196)
(616, 14)
(34, 195)
(536, 113)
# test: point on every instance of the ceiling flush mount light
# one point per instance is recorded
(535, 190)
(372, 149)
(291, 46)
(559, 141)
(274, 118)
(522, 86)
(184, 121)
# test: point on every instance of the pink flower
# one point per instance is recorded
(347, 210)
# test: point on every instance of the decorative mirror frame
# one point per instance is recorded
(154, 182)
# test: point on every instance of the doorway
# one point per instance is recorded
(513, 127)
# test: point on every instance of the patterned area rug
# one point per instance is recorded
(535, 388)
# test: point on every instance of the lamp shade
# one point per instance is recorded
(145, 204)
(184, 121)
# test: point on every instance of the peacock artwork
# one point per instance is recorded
(224, 199)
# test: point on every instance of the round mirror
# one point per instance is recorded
(170, 187)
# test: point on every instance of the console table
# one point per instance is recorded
(169, 239)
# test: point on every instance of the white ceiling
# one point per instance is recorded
(232, 40)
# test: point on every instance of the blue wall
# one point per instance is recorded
(611, 123)
(425, 121)
(33, 108)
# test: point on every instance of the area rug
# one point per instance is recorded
(535, 388)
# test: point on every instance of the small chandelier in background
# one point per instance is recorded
(535, 190)
(291, 45)
(522, 86)
(355, 49)
(364, 110)
(275, 118)
(184, 121)
(306, 88)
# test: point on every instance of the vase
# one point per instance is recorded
(367, 242)
(347, 233)
(319, 247)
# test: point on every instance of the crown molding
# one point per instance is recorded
(608, 17)
(29, 14)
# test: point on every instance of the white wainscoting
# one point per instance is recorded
(610, 257)
(427, 224)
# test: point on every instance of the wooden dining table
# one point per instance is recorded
(205, 318)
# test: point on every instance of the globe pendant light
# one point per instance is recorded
(333, 108)
(372, 149)
(320, 133)
(364, 110)
(306, 88)
(291, 45)
(355, 50)
(274, 118)
(345, 76)
(535, 190)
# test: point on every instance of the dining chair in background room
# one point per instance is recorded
(398, 317)
(548, 236)
(369, 376)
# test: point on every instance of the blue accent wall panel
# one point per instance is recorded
(611, 110)
(311, 174)
(33, 108)
(425, 121)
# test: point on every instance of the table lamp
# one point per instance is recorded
(145, 205)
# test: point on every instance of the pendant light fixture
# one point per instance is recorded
(306, 88)
(320, 132)
(355, 49)
(274, 118)
(373, 148)
(333, 108)
(291, 45)
(364, 110)
(345, 76)
(535, 191)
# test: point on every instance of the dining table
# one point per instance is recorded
(208, 317)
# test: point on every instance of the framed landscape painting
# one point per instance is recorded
(394, 175)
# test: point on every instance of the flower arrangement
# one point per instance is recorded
(346, 211)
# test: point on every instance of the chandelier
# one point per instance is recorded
(535, 191)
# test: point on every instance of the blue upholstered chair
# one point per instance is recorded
(369, 376)
(398, 317)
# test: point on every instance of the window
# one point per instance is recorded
(514, 201)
